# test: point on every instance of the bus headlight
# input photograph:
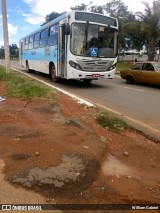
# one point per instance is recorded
(112, 67)
(75, 65)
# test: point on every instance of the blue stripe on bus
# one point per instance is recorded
(41, 54)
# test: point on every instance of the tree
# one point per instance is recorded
(96, 9)
(150, 26)
(51, 16)
(2, 55)
(134, 35)
(14, 51)
(117, 9)
(90, 8)
(82, 7)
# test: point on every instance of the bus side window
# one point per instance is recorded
(36, 40)
(53, 35)
(31, 42)
(44, 38)
(26, 43)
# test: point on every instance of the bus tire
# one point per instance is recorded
(27, 67)
(53, 74)
(87, 81)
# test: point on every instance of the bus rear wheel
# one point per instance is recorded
(53, 74)
(27, 68)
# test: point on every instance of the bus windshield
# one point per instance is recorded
(93, 40)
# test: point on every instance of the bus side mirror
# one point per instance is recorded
(67, 29)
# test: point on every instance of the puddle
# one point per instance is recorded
(113, 166)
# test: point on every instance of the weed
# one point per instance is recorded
(110, 122)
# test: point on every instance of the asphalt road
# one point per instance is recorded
(139, 105)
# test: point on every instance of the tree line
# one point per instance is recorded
(14, 51)
(135, 29)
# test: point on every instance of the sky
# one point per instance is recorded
(25, 16)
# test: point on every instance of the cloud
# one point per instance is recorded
(12, 30)
(33, 19)
(1, 43)
(41, 8)
(0, 20)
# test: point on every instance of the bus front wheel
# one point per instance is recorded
(87, 81)
(53, 75)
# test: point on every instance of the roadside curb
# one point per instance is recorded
(80, 100)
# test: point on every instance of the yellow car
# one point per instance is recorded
(142, 72)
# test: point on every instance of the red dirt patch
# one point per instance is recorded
(38, 134)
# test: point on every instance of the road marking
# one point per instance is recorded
(127, 88)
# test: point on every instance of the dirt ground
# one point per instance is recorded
(59, 151)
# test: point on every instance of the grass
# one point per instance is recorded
(110, 122)
(24, 87)
(122, 66)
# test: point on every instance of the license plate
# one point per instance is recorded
(95, 75)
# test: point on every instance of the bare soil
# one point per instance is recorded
(59, 151)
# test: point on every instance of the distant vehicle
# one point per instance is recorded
(76, 45)
(142, 72)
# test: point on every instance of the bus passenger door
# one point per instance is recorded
(62, 50)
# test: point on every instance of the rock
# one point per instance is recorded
(37, 153)
(16, 139)
(85, 147)
(117, 175)
(129, 177)
(126, 153)
(110, 139)
(102, 139)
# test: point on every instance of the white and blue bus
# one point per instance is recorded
(76, 45)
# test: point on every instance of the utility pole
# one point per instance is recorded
(6, 40)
